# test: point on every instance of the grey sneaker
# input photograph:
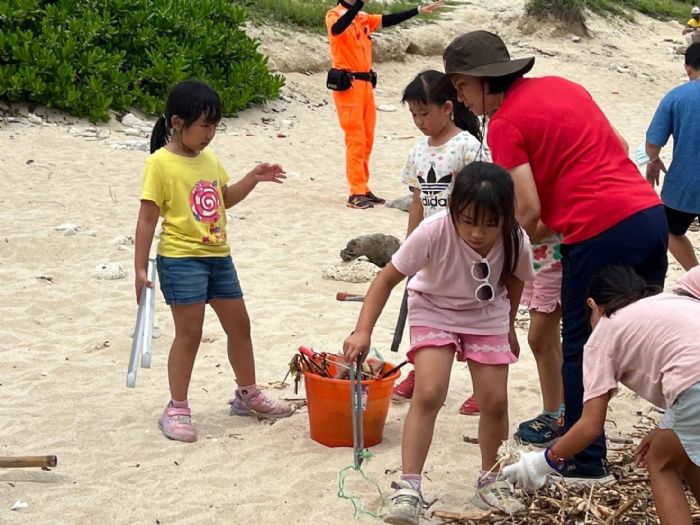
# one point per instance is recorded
(497, 495)
(405, 505)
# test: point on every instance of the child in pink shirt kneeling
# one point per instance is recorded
(650, 342)
(469, 263)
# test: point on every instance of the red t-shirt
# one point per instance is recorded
(585, 180)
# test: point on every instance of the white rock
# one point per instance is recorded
(35, 119)
(66, 226)
(67, 229)
(109, 271)
(19, 504)
(357, 271)
(123, 240)
(133, 132)
(132, 121)
(387, 108)
(134, 144)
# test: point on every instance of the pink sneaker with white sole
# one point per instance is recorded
(176, 423)
(260, 406)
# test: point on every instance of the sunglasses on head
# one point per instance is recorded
(481, 271)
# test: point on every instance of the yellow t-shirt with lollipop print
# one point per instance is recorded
(188, 191)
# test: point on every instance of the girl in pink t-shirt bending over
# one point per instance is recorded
(650, 342)
(469, 263)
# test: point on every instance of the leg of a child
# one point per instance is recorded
(491, 391)
(692, 476)
(682, 249)
(666, 460)
(188, 319)
(544, 338)
(234, 320)
(432, 366)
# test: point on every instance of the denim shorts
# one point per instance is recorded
(683, 417)
(191, 280)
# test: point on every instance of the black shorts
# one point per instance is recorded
(679, 221)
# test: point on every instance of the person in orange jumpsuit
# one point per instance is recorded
(350, 35)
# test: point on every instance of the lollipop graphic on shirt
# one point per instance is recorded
(205, 202)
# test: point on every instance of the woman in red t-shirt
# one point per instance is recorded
(572, 176)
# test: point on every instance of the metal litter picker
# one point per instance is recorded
(142, 343)
(358, 440)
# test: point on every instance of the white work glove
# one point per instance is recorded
(530, 472)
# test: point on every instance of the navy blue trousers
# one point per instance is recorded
(640, 241)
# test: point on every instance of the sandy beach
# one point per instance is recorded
(66, 335)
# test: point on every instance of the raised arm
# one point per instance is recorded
(264, 172)
(392, 19)
(344, 21)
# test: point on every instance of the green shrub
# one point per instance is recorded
(568, 11)
(311, 13)
(571, 11)
(87, 56)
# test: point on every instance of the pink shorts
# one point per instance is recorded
(484, 349)
(544, 293)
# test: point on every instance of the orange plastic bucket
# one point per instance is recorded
(330, 411)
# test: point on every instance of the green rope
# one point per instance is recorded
(356, 500)
(358, 505)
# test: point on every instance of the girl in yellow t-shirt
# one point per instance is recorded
(185, 183)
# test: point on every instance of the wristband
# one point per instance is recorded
(652, 161)
(556, 462)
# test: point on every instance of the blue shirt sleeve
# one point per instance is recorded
(661, 125)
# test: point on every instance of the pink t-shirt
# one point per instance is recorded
(442, 291)
(689, 283)
(651, 346)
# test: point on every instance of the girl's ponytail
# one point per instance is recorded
(465, 119)
(160, 134)
(614, 287)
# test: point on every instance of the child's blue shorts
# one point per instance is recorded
(191, 280)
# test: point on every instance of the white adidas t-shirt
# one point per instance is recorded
(432, 168)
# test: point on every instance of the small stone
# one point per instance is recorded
(132, 121)
(35, 119)
(123, 240)
(109, 271)
(133, 132)
(387, 108)
(67, 229)
(281, 135)
(576, 39)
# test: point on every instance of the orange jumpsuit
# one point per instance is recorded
(352, 50)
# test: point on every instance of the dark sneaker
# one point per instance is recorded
(539, 432)
(359, 202)
(578, 473)
(374, 199)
